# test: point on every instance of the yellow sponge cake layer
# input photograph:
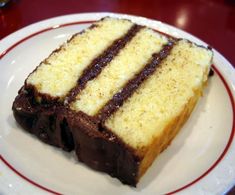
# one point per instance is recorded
(162, 96)
(120, 70)
(59, 73)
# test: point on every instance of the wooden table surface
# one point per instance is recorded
(213, 21)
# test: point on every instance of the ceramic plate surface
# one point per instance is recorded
(200, 160)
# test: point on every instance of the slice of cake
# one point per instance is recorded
(117, 93)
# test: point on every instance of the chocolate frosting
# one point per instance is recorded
(61, 127)
(47, 122)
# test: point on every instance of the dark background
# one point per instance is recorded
(210, 20)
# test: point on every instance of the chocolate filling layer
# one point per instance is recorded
(119, 98)
(96, 66)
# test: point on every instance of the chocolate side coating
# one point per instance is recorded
(47, 122)
(61, 127)
(102, 150)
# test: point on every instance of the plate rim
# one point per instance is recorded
(219, 70)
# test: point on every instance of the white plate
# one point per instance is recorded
(200, 160)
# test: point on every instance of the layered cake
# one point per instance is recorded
(117, 93)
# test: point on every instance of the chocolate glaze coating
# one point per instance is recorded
(46, 122)
(101, 150)
(61, 127)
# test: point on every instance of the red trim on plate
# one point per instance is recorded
(42, 31)
(26, 178)
(229, 141)
(172, 192)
